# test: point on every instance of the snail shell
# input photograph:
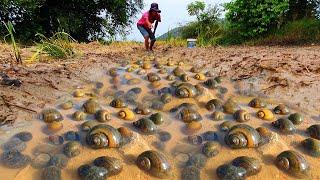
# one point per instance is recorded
(242, 136)
(113, 165)
(250, 164)
(217, 116)
(257, 103)
(86, 126)
(154, 163)
(265, 134)
(228, 172)
(196, 69)
(126, 114)
(227, 125)
(210, 149)
(281, 109)
(78, 93)
(211, 83)
(171, 77)
(230, 107)
(188, 115)
(184, 78)
(103, 116)
(91, 106)
(152, 77)
(296, 118)
(265, 114)
(145, 125)
(157, 118)
(72, 149)
(312, 146)
(67, 105)
(241, 116)
(51, 115)
(143, 110)
(178, 71)
(166, 98)
(113, 72)
(79, 116)
(284, 125)
(146, 65)
(163, 71)
(186, 90)
(118, 103)
(209, 74)
(103, 136)
(200, 77)
(314, 131)
(293, 163)
(213, 104)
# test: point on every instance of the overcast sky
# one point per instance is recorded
(174, 13)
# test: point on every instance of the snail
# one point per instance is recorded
(250, 164)
(152, 77)
(193, 127)
(242, 136)
(72, 149)
(86, 126)
(79, 116)
(145, 125)
(178, 71)
(166, 98)
(103, 116)
(196, 69)
(311, 146)
(265, 134)
(188, 115)
(103, 136)
(67, 105)
(154, 163)
(118, 103)
(296, 118)
(157, 118)
(163, 71)
(230, 107)
(265, 114)
(227, 125)
(217, 116)
(126, 114)
(113, 165)
(210, 149)
(78, 93)
(257, 103)
(281, 109)
(200, 77)
(214, 104)
(142, 109)
(146, 65)
(170, 63)
(51, 115)
(293, 163)
(186, 90)
(314, 131)
(91, 106)
(170, 77)
(241, 116)
(184, 78)
(211, 83)
(284, 126)
(228, 172)
(55, 126)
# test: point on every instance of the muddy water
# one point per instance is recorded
(177, 149)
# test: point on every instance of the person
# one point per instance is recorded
(145, 25)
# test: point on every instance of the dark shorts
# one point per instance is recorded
(146, 33)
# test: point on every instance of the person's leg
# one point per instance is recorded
(145, 35)
(146, 42)
(152, 39)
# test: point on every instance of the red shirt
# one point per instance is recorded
(147, 15)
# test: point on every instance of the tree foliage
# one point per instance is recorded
(300, 9)
(82, 19)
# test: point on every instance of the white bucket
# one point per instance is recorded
(191, 43)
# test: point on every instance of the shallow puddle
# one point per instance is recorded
(177, 149)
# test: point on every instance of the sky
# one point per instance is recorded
(174, 13)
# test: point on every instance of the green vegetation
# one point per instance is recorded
(16, 49)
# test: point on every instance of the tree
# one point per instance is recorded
(299, 9)
(82, 19)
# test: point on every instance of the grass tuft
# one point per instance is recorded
(16, 49)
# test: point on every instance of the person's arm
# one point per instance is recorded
(155, 27)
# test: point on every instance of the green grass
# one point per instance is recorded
(16, 49)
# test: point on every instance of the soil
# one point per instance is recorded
(287, 75)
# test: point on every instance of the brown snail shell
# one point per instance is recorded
(241, 116)
(126, 114)
(55, 126)
(293, 163)
(103, 116)
(118, 103)
(78, 93)
(86, 126)
(284, 126)
(188, 115)
(146, 65)
(154, 163)
(79, 116)
(143, 110)
(156, 84)
(178, 71)
(184, 78)
(91, 106)
(214, 104)
(193, 127)
(152, 77)
(211, 83)
(311, 146)
(217, 116)
(230, 107)
(210, 149)
(113, 165)
(103, 136)
(314, 131)
(257, 103)
(171, 77)
(196, 69)
(265, 134)
(125, 132)
(227, 125)
(250, 164)
(145, 125)
(296, 118)
(186, 90)
(51, 115)
(166, 98)
(72, 149)
(281, 109)
(157, 118)
(67, 105)
(242, 136)
(200, 77)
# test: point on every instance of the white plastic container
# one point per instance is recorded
(191, 43)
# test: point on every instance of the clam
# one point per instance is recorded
(24, 136)
(210, 149)
(314, 131)
(89, 172)
(118, 103)
(293, 163)
(241, 116)
(265, 114)
(78, 93)
(281, 109)
(157, 118)
(152, 77)
(228, 171)
(227, 125)
(284, 126)
(103, 116)
(296, 118)
(250, 164)
(230, 107)
(242, 136)
(257, 103)
(15, 159)
(200, 77)
(184, 78)
(67, 105)
(142, 109)
(51, 173)
(86, 126)
(214, 104)
(54, 126)
(72, 149)
(155, 163)
(112, 165)
(51, 115)
(311, 146)
(217, 116)
(193, 126)
(178, 71)
(186, 90)
(166, 98)
(188, 115)
(126, 114)
(91, 106)
(79, 116)
(103, 136)
(211, 83)
(145, 125)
